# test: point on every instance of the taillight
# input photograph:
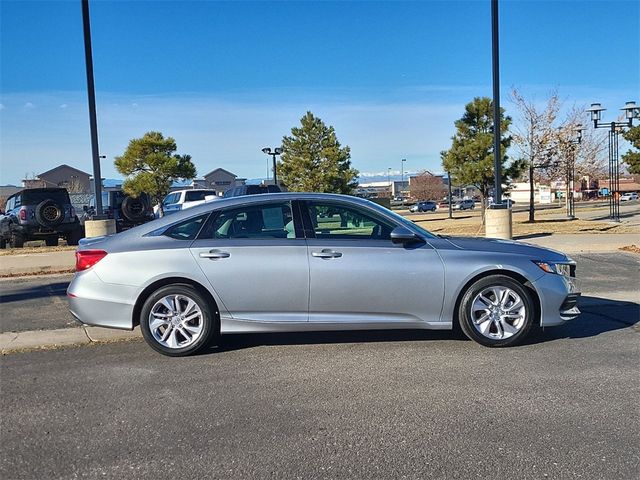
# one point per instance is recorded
(88, 258)
(23, 214)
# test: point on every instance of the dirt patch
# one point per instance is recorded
(38, 272)
(631, 248)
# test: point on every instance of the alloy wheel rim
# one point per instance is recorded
(176, 321)
(498, 313)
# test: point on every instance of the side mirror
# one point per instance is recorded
(404, 235)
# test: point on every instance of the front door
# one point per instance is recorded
(256, 263)
(358, 275)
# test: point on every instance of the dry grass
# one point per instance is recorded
(33, 247)
(470, 224)
(631, 248)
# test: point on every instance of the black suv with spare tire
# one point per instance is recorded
(39, 214)
(126, 210)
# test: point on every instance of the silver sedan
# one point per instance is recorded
(303, 261)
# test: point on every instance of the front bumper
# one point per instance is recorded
(559, 296)
(94, 302)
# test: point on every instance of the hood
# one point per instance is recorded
(496, 245)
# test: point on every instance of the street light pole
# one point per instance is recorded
(497, 202)
(631, 111)
(450, 206)
(402, 177)
(274, 153)
(389, 181)
(91, 94)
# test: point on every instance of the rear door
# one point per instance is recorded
(255, 258)
(357, 275)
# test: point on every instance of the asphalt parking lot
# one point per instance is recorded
(338, 405)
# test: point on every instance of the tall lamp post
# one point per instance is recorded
(402, 178)
(449, 185)
(389, 181)
(274, 153)
(571, 171)
(93, 123)
(631, 111)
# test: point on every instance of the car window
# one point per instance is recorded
(341, 222)
(171, 198)
(186, 230)
(195, 196)
(262, 221)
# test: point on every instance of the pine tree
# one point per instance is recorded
(314, 161)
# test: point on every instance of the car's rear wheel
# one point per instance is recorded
(496, 311)
(176, 320)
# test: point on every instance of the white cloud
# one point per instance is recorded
(1, 106)
(64, 105)
(29, 106)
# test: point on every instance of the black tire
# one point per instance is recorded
(17, 240)
(51, 241)
(134, 209)
(433, 209)
(49, 214)
(466, 316)
(73, 237)
(3, 243)
(209, 320)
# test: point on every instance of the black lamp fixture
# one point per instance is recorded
(631, 112)
(274, 153)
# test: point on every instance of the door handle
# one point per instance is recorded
(214, 254)
(326, 253)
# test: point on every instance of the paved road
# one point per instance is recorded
(340, 405)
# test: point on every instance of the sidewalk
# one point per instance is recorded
(46, 339)
(32, 263)
(585, 243)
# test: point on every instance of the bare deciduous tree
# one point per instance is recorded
(534, 135)
(427, 186)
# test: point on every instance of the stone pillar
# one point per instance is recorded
(498, 223)
(99, 228)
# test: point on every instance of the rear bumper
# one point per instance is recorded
(94, 302)
(39, 231)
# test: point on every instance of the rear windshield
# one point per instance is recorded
(198, 195)
(31, 197)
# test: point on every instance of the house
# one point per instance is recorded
(219, 180)
(74, 180)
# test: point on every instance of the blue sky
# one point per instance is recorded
(227, 78)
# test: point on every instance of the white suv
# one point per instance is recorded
(625, 197)
(181, 199)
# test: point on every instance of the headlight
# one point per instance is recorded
(557, 268)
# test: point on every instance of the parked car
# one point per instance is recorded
(251, 190)
(506, 201)
(126, 210)
(278, 263)
(39, 214)
(183, 199)
(625, 197)
(464, 205)
(424, 207)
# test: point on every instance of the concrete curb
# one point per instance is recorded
(50, 339)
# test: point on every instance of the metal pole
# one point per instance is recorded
(616, 174)
(450, 206)
(496, 105)
(531, 193)
(275, 171)
(93, 124)
(402, 179)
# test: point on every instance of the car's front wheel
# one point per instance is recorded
(176, 320)
(496, 311)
